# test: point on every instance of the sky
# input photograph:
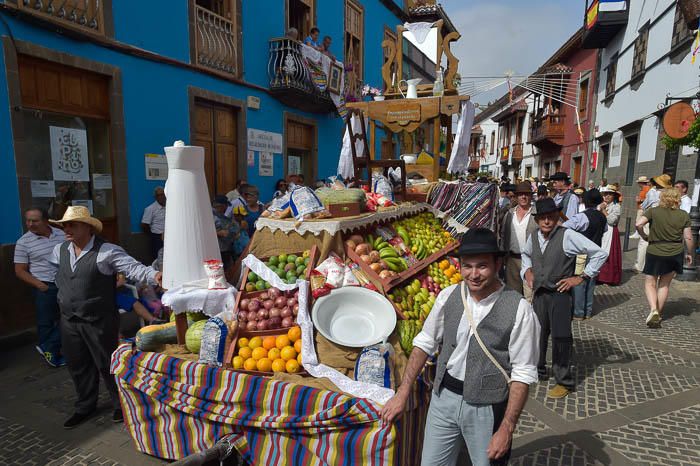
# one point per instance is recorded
(510, 35)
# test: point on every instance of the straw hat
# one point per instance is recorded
(78, 213)
(579, 191)
(663, 180)
(643, 179)
(611, 188)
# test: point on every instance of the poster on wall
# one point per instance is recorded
(251, 158)
(43, 188)
(101, 181)
(266, 164)
(156, 167)
(264, 141)
(69, 154)
(615, 150)
(83, 202)
(293, 165)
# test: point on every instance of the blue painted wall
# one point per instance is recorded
(156, 106)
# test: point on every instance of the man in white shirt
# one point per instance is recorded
(32, 266)
(686, 201)
(518, 225)
(481, 385)
(565, 198)
(153, 221)
(86, 279)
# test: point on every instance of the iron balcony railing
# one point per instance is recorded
(216, 45)
(85, 15)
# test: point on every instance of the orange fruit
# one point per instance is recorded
(250, 365)
(288, 353)
(282, 341)
(299, 358)
(237, 362)
(292, 366)
(255, 342)
(259, 353)
(297, 346)
(273, 354)
(268, 342)
(278, 365)
(242, 342)
(245, 352)
(294, 334)
(264, 365)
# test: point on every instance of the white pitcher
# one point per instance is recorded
(412, 92)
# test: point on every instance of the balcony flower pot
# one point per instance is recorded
(378, 98)
(691, 12)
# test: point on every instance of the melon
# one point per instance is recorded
(153, 337)
(193, 337)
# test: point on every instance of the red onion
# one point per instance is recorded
(275, 312)
(268, 304)
(286, 312)
(262, 325)
(242, 316)
(274, 322)
(263, 314)
(291, 302)
(280, 302)
(274, 293)
(244, 304)
(264, 296)
(287, 322)
(295, 309)
(253, 305)
(250, 326)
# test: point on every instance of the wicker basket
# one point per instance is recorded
(691, 12)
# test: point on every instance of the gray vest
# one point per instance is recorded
(484, 383)
(553, 265)
(86, 294)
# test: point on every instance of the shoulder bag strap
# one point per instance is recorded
(488, 354)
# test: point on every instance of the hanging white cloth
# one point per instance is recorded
(420, 30)
(190, 236)
(346, 168)
(459, 158)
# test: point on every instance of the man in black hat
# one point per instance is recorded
(564, 198)
(482, 379)
(592, 224)
(517, 226)
(549, 260)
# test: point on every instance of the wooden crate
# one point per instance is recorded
(231, 352)
(426, 171)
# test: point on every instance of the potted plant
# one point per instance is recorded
(373, 92)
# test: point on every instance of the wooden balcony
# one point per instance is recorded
(602, 22)
(548, 129)
(216, 44)
(290, 79)
(517, 152)
(83, 15)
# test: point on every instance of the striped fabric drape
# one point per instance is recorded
(174, 408)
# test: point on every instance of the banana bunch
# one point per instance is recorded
(408, 329)
(423, 234)
(419, 249)
(401, 231)
(414, 300)
(387, 253)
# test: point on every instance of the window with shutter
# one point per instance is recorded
(354, 46)
(611, 75)
(640, 52)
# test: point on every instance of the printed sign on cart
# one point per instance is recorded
(69, 154)
(265, 168)
(264, 141)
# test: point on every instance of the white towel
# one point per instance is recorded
(346, 168)
(459, 158)
(420, 30)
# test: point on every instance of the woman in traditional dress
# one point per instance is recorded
(611, 273)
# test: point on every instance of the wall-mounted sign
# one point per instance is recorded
(253, 102)
(83, 202)
(101, 181)
(69, 154)
(266, 164)
(156, 167)
(264, 141)
(43, 188)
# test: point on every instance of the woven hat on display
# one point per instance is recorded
(78, 213)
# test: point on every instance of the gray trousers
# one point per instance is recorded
(88, 348)
(553, 310)
(452, 422)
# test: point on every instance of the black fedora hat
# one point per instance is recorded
(478, 241)
(559, 176)
(546, 206)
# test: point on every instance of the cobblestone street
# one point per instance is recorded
(637, 400)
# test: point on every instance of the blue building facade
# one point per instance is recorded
(104, 86)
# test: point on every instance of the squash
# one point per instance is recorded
(193, 337)
(153, 337)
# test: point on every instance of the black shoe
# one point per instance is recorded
(76, 419)
(543, 377)
(117, 416)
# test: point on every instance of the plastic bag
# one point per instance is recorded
(374, 365)
(214, 337)
(382, 185)
(215, 272)
(304, 202)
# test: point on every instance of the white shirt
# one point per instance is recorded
(523, 347)
(652, 199)
(518, 236)
(110, 260)
(36, 250)
(574, 244)
(686, 203)
(154, 217)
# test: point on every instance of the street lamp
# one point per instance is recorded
(690, 272)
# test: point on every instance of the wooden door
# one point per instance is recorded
(576, 172)
(215, 129)
(301, 142)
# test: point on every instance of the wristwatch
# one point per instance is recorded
(584, 276)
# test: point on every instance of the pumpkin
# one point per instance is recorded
(153, 337)
(193, 337)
